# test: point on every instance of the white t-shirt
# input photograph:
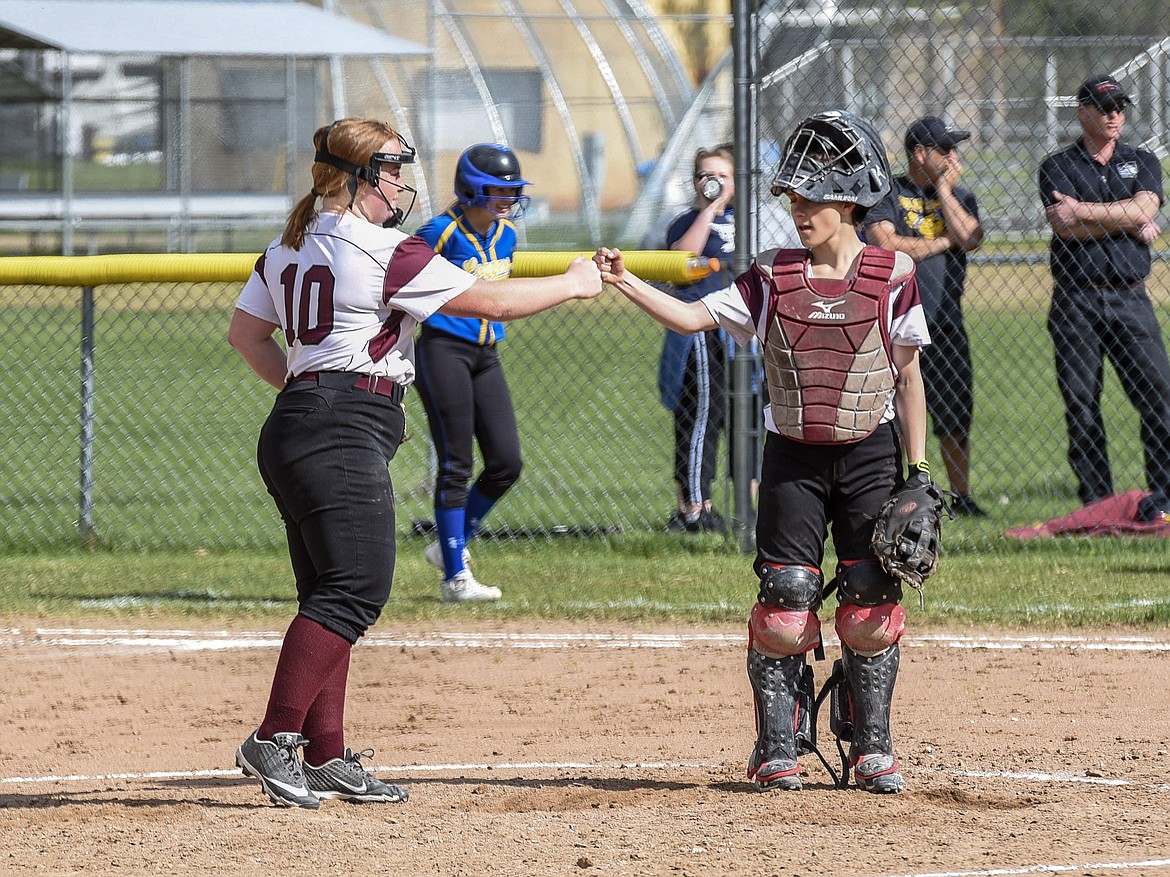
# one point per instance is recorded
(350, 298)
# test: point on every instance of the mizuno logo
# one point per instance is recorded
(825, 311)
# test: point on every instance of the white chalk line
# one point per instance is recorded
(213, 599)
(187, 640)
(222, 640)
(1045, 869)
(588, 766)
(396, 770)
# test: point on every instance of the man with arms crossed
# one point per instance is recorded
(1100, 197)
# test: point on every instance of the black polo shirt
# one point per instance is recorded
(1115, 260)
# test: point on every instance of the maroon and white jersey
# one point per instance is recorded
(761, 305)
(350, 298)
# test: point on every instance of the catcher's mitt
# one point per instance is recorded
(907, 530)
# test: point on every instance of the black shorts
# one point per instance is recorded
(948, 379)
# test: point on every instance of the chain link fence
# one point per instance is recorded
(130, 423)
(1010, 79)
(149, 442)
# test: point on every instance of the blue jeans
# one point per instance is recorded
(1088, 325)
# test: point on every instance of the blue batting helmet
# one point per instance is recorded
(489, 164)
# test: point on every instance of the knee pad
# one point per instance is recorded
(791, 587)
(780, 633)
(865, 583)
(870, 630)
(784, 620)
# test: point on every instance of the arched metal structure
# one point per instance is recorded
(608, 75)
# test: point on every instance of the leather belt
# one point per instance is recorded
(380, 386)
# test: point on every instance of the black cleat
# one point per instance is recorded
(965, 506)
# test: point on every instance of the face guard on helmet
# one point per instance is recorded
(834, 156)
(489, 164)
(372, 173)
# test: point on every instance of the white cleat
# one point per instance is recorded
(463, 588)
(434, 556)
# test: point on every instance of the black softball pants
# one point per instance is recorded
(466, 397)
(806, 488)
(323, 454)
(1088, 325)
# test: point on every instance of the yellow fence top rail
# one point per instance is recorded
(665, 266)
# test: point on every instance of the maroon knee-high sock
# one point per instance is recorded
(325, 720)
(308, 659)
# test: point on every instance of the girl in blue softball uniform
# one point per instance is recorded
(461, 378)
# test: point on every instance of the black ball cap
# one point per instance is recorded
(1103, 92)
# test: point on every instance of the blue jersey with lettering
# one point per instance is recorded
(487, 256)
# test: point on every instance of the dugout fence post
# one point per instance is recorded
(742, 431)
(86, 417)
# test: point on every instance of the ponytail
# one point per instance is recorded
(353, 140)
(299, 218)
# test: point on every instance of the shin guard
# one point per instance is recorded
(870, 682)
(781, 704)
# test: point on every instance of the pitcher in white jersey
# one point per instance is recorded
(345, 289)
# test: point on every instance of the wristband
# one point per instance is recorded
(920, 466)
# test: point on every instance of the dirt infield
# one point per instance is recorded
(543, 750)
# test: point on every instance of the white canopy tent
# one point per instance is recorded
(199, 27)
(177, 32)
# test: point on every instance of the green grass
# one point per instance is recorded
(651, 579)
(142, 176)
(185, 527)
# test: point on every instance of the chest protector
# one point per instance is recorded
(827, 357)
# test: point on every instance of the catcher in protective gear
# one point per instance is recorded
(907, 532)
(832, 457)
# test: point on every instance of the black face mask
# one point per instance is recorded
(371, 173)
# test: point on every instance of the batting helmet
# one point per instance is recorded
(490, 164)
(834, 156)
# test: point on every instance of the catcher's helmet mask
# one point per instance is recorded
(372, 173)
(834, 156)
(490, 165)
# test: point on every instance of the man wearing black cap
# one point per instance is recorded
(935, 221)
(1101, 197)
